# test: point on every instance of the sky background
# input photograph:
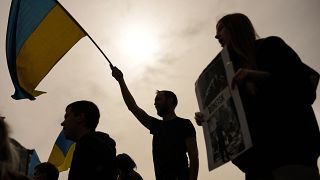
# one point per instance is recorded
(158, 44)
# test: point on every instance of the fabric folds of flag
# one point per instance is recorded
(39, 34)
(62, 153)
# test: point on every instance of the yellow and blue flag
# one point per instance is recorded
(33, 162)
(62, 153)
(39, 34)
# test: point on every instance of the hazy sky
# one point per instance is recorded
(158, 44)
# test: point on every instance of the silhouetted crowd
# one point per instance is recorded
(277, 91)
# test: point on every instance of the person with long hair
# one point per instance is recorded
(277, 90)
(9, 158)
(126, 168)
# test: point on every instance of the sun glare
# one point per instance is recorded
(139, 44)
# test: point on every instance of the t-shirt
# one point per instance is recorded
(169, 148)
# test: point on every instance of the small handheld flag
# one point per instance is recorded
(62, 152)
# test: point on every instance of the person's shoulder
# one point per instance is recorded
(270, 43)
(134, 175)
(185, 126)
(271, 40)
(97, 138)
(154, 119)
(183, 121)
(105, 137)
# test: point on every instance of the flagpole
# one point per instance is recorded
(85, 33)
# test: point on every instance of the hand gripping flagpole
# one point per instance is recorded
(85, 33)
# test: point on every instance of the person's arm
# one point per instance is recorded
(248, 75)
(139, 113)
(192, 149)
(249, 78)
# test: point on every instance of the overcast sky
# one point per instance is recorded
(158, 44)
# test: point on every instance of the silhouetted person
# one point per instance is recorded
(45, 171)
(126, 168)
(173, 137)
(95, 152)
(277, 94)
(9, 158)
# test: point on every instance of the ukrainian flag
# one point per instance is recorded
(33, 162)
(62, 153)
(39, 34)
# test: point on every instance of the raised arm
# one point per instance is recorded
(139, 113)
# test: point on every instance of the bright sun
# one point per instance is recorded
(139, 44)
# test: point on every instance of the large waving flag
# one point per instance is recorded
(39, 34)
(62, 153)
